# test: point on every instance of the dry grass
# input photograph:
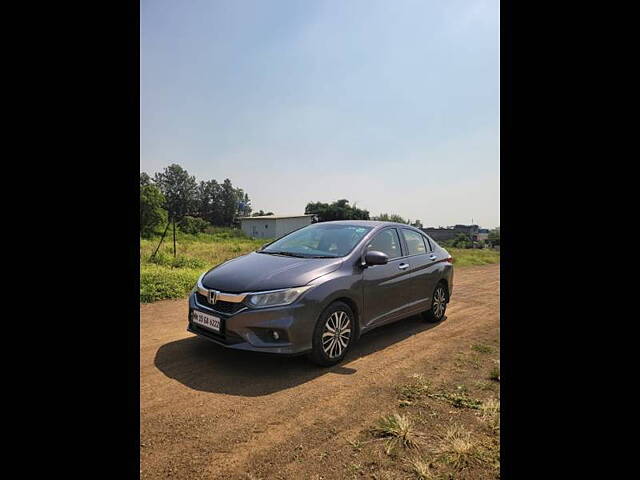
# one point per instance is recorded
(421, 467)
(399, 431)
(491, 413)
(458, 449)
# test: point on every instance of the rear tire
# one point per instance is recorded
(333, 335)
(438, 304)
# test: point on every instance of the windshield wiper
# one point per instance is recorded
(288, 254)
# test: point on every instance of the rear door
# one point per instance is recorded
(422, 273)
(385, 286)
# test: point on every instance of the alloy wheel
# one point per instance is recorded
(439, 302)
(337, 334)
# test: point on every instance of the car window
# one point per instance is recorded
(415, 242)
(387, 242)
(428, 242)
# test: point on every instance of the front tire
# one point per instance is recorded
(333, 335)
(438, 304)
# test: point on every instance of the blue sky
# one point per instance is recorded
(391, 104)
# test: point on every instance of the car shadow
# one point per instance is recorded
(205, 366)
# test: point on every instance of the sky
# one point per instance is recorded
(393, 105)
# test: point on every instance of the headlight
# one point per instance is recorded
(276, 298)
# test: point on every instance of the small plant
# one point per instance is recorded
(356, 444)
(421, 467)
(458, 400)
(354, 468)
(495, 373)
(491, 413)
(482, 348)
(414, 390)
(399, 431)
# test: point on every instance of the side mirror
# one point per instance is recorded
(374, 257)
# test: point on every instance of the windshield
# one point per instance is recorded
(320, 240)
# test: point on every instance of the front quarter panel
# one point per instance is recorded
(345, 282)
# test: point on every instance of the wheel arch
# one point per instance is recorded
(444, 282)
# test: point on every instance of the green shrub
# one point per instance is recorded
(193, 225)
(159, 282)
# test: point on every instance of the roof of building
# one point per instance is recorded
(274, 217)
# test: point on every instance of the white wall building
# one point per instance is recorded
(273, 226)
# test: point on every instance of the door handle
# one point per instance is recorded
(403, 266)
(432, 257)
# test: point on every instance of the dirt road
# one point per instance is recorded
(208, 412)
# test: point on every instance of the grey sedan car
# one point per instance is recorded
(316, 290)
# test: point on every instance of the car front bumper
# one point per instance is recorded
(251, 329)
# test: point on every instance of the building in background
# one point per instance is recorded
(442, 234)
(483, 234)
(273, 226)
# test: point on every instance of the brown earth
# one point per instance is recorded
(209, 412)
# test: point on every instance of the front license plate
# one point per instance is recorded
(207, 321)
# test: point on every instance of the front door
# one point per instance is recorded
(385, 286)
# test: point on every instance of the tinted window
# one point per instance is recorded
(415, 242)
(387, 242)
(319, 240)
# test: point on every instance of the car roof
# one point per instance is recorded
(371, 223)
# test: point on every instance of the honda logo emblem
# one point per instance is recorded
(213, 296)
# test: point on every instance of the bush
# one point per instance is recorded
(193, 225)
(152, 214)
(158, 282)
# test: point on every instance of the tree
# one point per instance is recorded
(417, 224)
(179, 190)
(244, 203)
(193, 225)
(208, 201)
(461, 241)
(494, 237)
(394, 217)
(145, 179)
(229, 202)
(152, 214)
(338, 210)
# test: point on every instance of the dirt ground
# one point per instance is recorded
(209, 412)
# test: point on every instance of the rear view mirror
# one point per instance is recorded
(374, 257)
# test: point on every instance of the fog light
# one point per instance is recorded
(275, 335)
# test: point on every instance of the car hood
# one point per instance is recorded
(259, 271)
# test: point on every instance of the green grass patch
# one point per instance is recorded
(457, 400)
(414, 390)
(165, 276)
(466, 257)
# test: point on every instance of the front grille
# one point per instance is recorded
(228, 308)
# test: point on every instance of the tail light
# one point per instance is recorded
(450, 259)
